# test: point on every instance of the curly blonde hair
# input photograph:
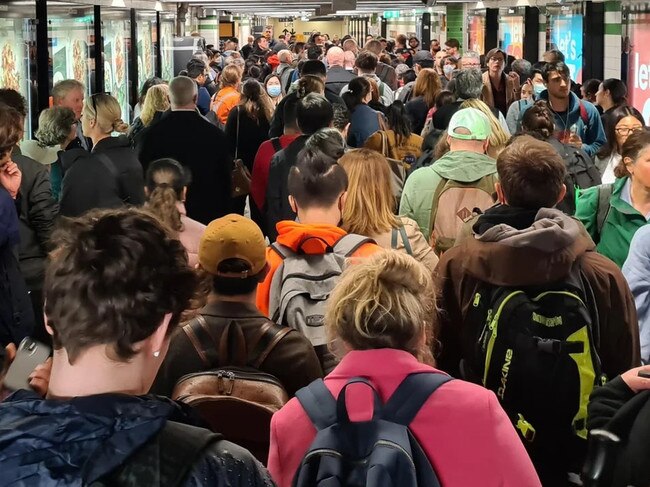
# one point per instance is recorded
(384, 301)
(156, 100)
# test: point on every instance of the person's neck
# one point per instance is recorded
(467, 148)
(606, 105)
(184, 108)
(496, 78)
(250, 298)
(98, 138)
(93, 373)
(559, 104)
(640, 196)
(320, 216)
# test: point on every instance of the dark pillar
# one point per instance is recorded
(531, 34)
(99, 52)
(384, 27)
(426, 31)
(593, 41)
(491, 29)
(158, 47)
(42, 56)
(133, 61)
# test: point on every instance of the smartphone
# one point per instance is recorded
(30, 353)
(645, 375)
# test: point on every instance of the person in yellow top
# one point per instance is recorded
(228, 96)
(396, 141)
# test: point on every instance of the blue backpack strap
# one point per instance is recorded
(318, 403)
(411, 394)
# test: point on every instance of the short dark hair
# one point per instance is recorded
(614, 116)
(112, 278)
(558, 67)
(234, 286)
(453, 43)
(558, 56)
(367, 61)
(314, 52)
(314, 112)
(591, 86)
(617, 90)
(316, 180)
(341, 116)
(538, 120)
(256, 41)
(15, 100)
(11, 128)
(195, 68)
(313, 67)
(531, 173)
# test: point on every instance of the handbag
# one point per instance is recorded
(240, 175)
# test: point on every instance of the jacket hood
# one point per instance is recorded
(574, 101)
(82, 439)
(543, 252)
(292, 234)
(464, 166)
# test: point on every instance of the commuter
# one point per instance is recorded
(448, 66)
(262, 165)
(534, 251)
(498, 134)
(577, 122)
(426, 89)
(435, 46)
(341, 121)
(635, 271)
(16, 311)
(397, 142)
(349, 60)
(273, 88)
(69, 93)
(407, 79)
(108, 348)
(313, 113)
(501, 89)
(204, 152)
(247, 48)
(197, 70)
(379, 315)
(515, 112)
(366, 65)
(260, 47)
(524, 70)
(620, 408)
(155, 104)
(110, 175)
(385, 72)
(146, 86)
(402, 51)
(57, 128)
(364, 121)
(437, 63)
(317, 190)
(227, 97)
(621, 122)
(453, 48)
(370, 206)
(166, 190)
(611, 94)
(468, 85)
(232, 257)
(432, 196)
(612, 213)
(589, 89)
(337, 76)
(351, 46)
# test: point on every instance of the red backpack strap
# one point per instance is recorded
(583, 113)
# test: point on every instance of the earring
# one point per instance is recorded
(156, 354)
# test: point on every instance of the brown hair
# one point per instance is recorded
(539, 120)
(370, 202)
(11, 128)
(310, 83)
(531, 173)
(166, 180)
(634, 145)
(427, 85)
(230, 76)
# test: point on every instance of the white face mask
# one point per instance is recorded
(448, 69)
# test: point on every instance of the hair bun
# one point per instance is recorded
(120, 126)
(396, 273)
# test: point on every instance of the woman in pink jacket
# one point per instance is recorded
(376, 319)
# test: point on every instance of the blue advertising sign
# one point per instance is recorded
(567, 37)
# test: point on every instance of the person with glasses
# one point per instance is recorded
(500, 89)
(110, 176)
(624, 120)
(613, 224)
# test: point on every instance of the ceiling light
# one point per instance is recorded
(158, 7)
(118, 3)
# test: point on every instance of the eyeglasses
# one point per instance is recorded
(627, 130)
(497, 59)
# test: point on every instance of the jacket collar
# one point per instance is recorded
(231, 309)
(371, 364)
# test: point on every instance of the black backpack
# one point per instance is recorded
(381, 452)
(535, 348)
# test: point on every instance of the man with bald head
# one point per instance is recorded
(184, 135)
(337, 76)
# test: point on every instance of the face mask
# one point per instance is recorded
(538, 88)
(274, 90)
(448, 69)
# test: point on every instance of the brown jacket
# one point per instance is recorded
(542, 254)
(409, 147)
(292, 361)
(513, 90)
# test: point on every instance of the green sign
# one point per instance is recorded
(391, 14)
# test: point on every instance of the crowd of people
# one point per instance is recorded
(323, 263)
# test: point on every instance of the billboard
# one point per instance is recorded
(511, 34)
(566, 35)
(638, 77)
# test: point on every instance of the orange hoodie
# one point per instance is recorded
(291, 234)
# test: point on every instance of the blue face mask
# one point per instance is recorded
(538, 88)
(274, 91)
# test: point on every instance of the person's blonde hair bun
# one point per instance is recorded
(120, 125)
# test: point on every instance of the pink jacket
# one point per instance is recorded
(462, 429)
(190, 235)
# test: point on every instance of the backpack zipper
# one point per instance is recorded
(390, 444)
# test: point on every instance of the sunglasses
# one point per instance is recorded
(94, 103)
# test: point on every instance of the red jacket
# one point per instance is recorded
(262, 166)
(461, 428)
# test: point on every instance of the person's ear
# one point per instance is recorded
(159, 337)
(184, 194)
(629, 164)
(292, 204)
(562, 194)
(146, 192)
(500, 195)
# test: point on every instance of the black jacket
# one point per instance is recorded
(277, 122)
(387, 74)
(292, 361)
(277, 193)
(91, 182)
(37, 212)
(417, 110)
(84, 439)
(200, 147)
(251, 135)
(337, 79)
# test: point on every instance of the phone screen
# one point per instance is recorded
(30, 353)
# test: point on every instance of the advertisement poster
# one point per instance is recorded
(167, 49)
(145, 51)
(69, 38)
(12, 64)
(639, 65)
(115, 64)
(477, 33)
(567, 37)
(511, 31)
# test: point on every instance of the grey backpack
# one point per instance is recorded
(302, 284)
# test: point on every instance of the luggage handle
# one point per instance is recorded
(341, 407)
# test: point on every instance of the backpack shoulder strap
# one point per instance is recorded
(282, 250)
(411, 394)
(434, 202)
(583, 113)
(275, 142)
(605, 192)
(269, 336)
(318, 403)
(216, 351)
(405, 240)
(108, 163)
(350, 243)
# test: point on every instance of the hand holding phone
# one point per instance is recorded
(30, 353)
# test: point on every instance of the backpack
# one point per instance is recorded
(302, 284)
(605, 192)
(381, 452)
(457, 201)
(232, 395)
(286, 78)
(535, 348)
(401, 231)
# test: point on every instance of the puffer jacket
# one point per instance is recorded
(85, 439)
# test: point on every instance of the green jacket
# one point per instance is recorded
(621, 223)
(417, 196)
